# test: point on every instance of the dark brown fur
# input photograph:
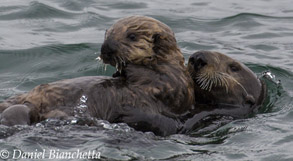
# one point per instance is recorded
(236, 83)
(154, 90)
(237, 95)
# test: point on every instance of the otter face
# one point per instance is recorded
(139, 40)
(220, 79)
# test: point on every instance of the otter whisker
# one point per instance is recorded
(121, 61)
(117, 66)
(117, 63)
(224, 80)
(206, 84)
(203, 81)
(216, 80)
(219, 80)
(207, 81)
(234, 80)
(192, 75)
(210, 85)
(128, 60)
(200, 79)
(203, 85)
(226, 84)
(105, 67)
(210, 81)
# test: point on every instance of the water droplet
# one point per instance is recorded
(98, 58)
(269, 74)
(271, 77)
(81, 107)
(83, 99)
(74, 121)
(39, 125)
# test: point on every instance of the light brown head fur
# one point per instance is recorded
(140, 40)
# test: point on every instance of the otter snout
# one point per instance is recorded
(108, 51)
(198, 60)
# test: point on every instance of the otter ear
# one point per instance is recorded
(163, 42)
(156, 38)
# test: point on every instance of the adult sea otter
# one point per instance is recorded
(223, 87)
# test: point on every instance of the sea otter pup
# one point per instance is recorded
(152, 90)
(222, 87)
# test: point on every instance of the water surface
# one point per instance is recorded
(44, 41)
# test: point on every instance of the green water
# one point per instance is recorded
(44, 41)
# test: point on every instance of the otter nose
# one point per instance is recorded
(198, 61)
(109, 48)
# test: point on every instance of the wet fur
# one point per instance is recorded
(146, 97)
(154, 90)
(223, 87)
(222, 78)
(153, 41)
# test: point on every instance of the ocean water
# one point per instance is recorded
(48, 40)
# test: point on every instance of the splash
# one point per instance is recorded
(115, 126)
(81, 107)
(101, 65)
(99, 58)
(268, 75)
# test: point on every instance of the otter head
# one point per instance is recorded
(139, 40)
(221, 80)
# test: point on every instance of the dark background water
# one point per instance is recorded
(45, 41)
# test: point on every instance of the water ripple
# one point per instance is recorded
(247, 15)
(36, 10)
(126, 5)
(44, 41)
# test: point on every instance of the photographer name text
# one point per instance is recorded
(49, 154)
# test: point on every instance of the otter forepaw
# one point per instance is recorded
(16, 115)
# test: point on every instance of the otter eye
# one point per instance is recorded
(234, 67)
(191, 61)
(132, 37)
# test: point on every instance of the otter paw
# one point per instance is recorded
(16, 115)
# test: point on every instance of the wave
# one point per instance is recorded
(36, 10)
(127, 5)
(248, 15)
(53, 48)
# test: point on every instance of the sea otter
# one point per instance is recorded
(223, 87)
(151, 89)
